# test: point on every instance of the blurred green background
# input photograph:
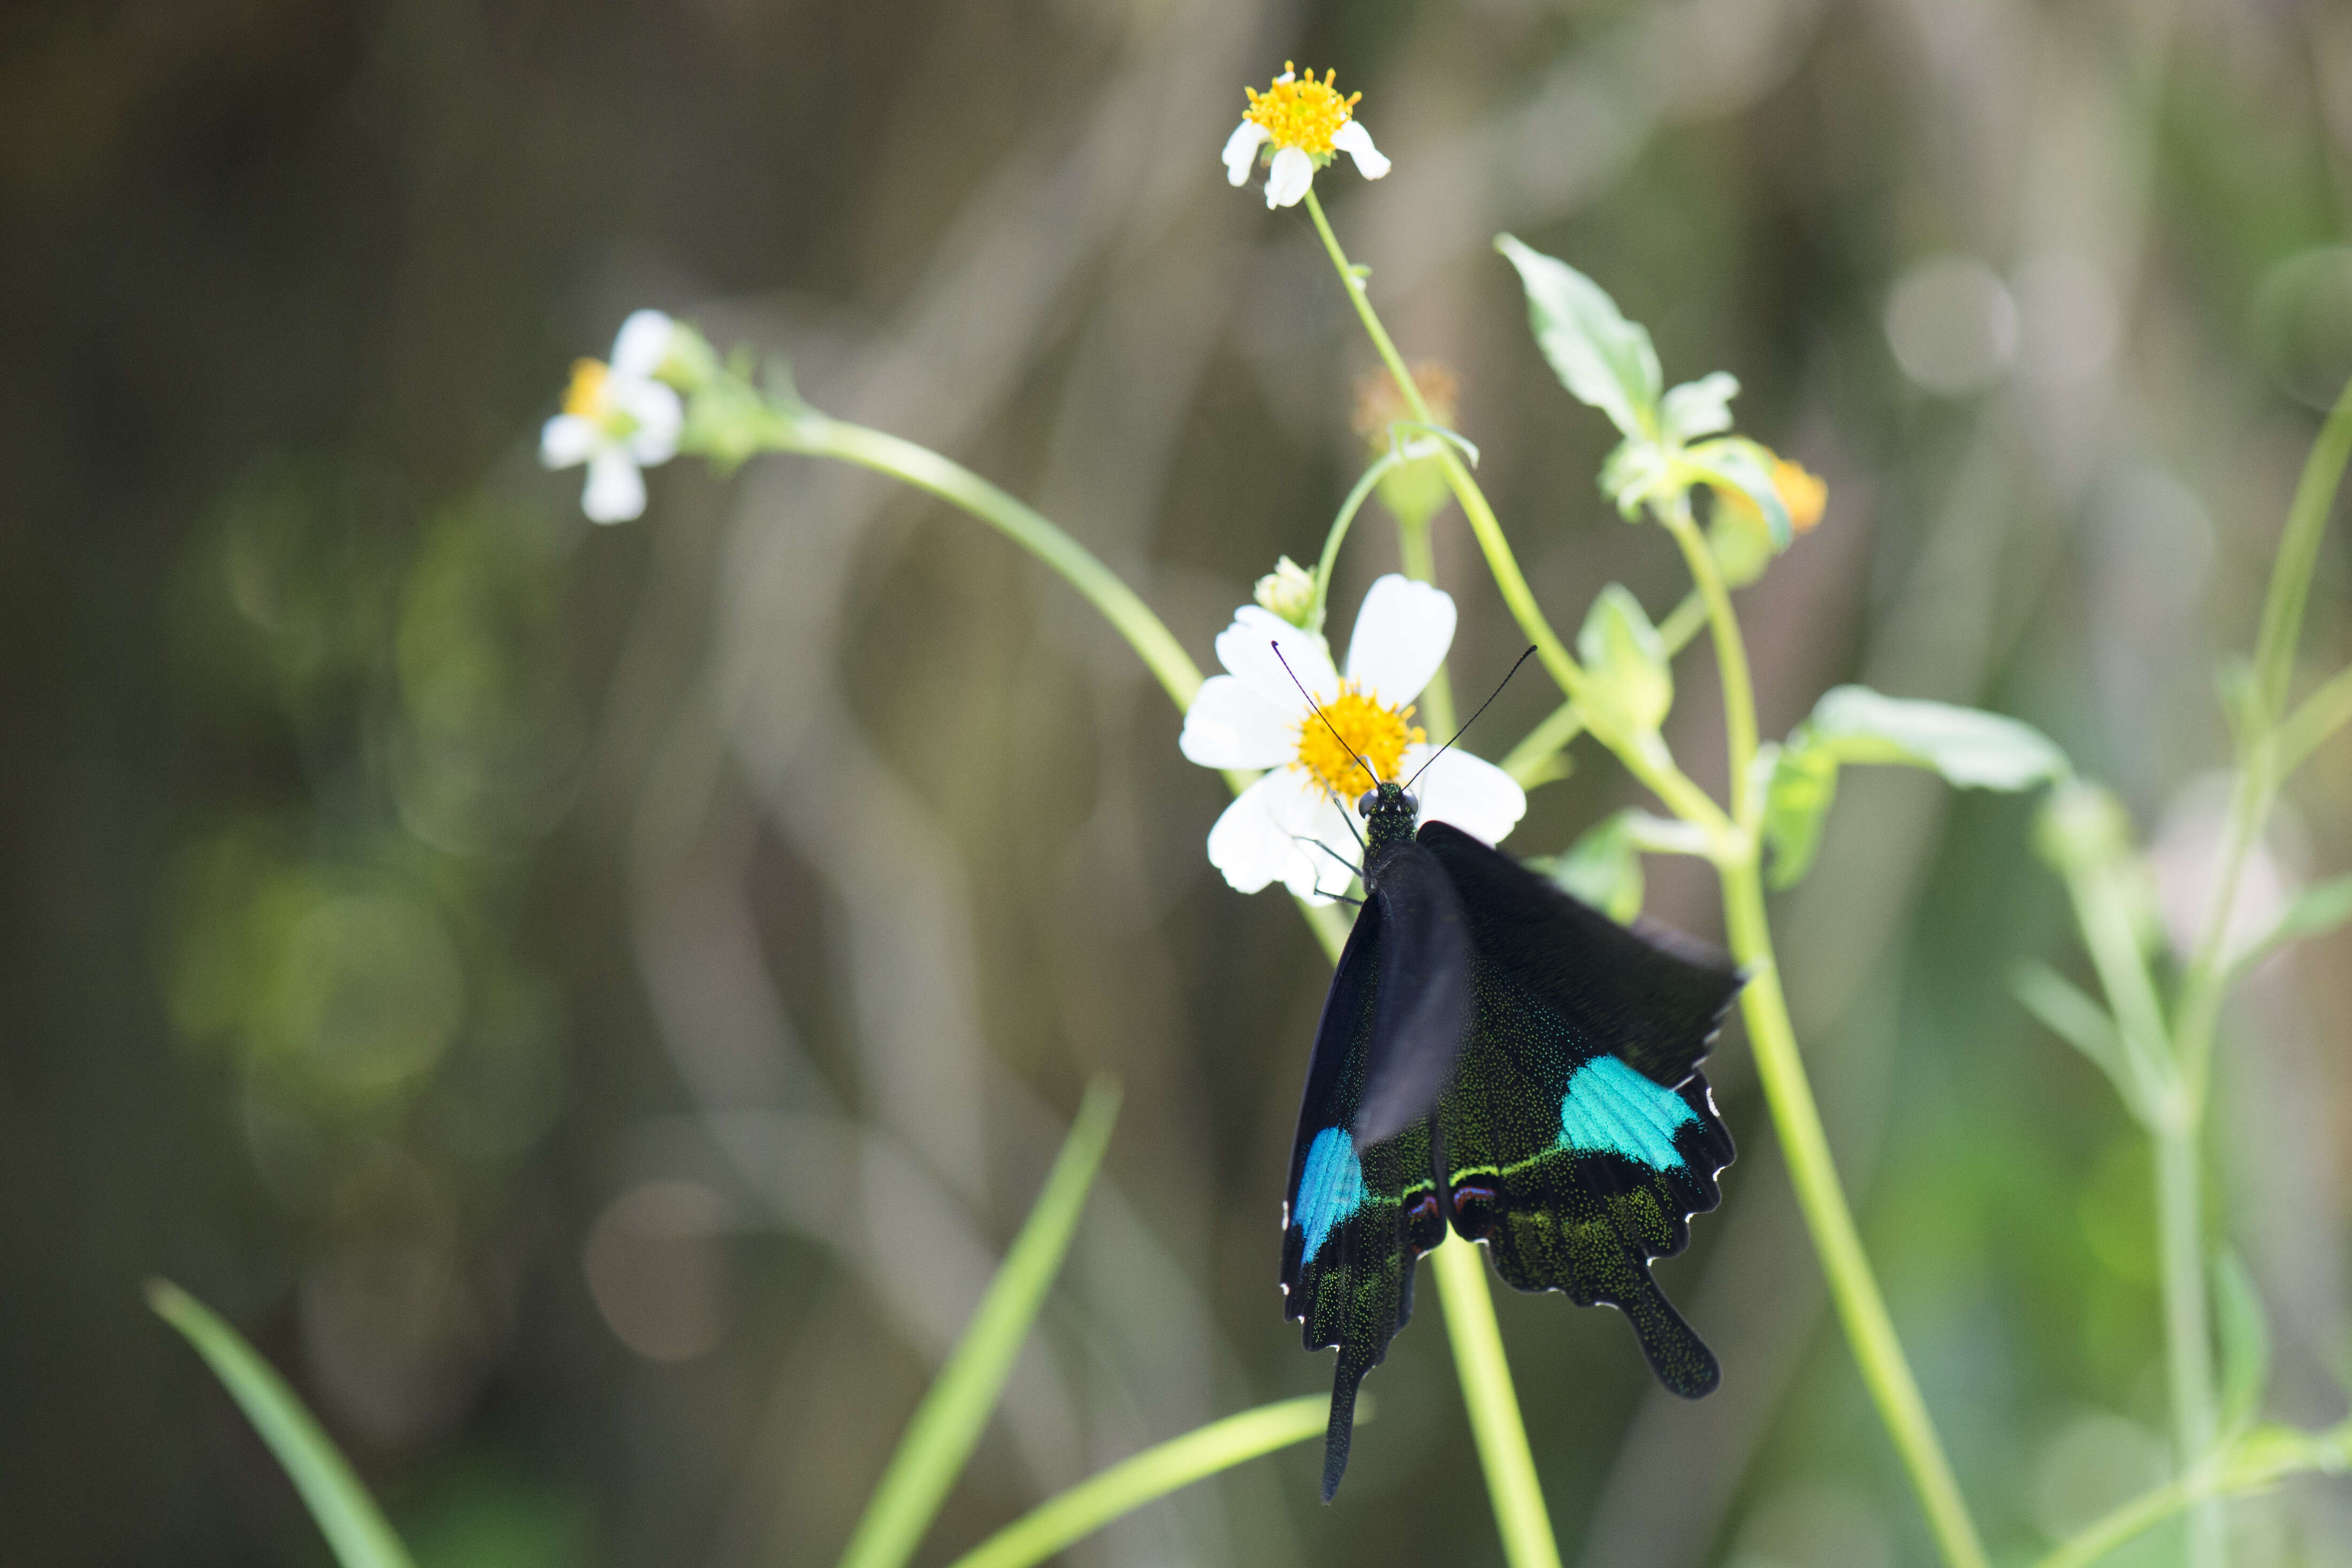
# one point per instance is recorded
(593, 1003)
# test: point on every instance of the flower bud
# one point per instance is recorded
(1288, 590)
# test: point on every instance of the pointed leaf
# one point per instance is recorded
(1803, 784)
(1632, 685)
(346, 1515)
(1600, 356)
(1971, 747)
(1697, 408)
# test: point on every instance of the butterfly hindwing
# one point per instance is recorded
(1577, 1137)
(1358, 1217)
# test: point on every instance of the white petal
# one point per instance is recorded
(1357, 142)
(1241, 150)
(1400, 637)
(1474, 795)
(567, 439)
(643, 344)
(1248, 845)
(1246, 648)
(1324, 853)
(1294, 170)
(659, 417)
(1230, 726)
(616, 491)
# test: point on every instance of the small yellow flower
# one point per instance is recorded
(1802, 493)
(1306, 123)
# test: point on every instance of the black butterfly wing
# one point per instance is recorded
(1577, 1137)
(1423, 1008)
(1357, 1217)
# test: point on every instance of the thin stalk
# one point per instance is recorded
(1338, 534)
(1062, 1521)
(1494, 1405)
(1421, 564)
(2303, 732)
(1869, 1330)
(2187, 1330)
(1649, 762)
(1730, 653)
(820, 435)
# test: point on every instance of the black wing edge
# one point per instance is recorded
(1423, 1008)
(1655, 997)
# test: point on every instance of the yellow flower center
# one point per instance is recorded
(1301, 112)
(1378, 734)
(584, 398)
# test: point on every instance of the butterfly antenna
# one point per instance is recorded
(1472, 719)
(1326, 717)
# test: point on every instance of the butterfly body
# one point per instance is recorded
(1497, 1059)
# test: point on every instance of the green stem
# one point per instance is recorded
(1085, 1508)
(1494, 1407)
(1421, 564)
(1643, 756)
(1780, 1068)
(820, 435)
(2188, 1332)
(941, 1434)
(2298, 553)
(1730, 653)
(1339, 533)
(2302, 732)
(1869, 1330)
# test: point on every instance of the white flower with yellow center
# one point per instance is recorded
(618, 419)
(1289, 826)
(1306, 123)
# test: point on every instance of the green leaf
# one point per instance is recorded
(1632, 685)
(940, 1435)
(355, 1527)
(1697, 408)
(1603, 868)
(1061, 1521)
(1636, 470)
(2067, 1012)
(2317, 909)
(2244, 1331)
(1736, 463)
(1604, 359)
(1796, 803)
(1971, 748)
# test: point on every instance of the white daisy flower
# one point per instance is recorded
(618, 419)
(1306, 123)
(1289, 826)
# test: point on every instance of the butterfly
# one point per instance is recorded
(1497, 1057)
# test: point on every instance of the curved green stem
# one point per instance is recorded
(1338, 534)
(1420, 562)
(1643, 756)
(822, 437)
(1787, 1091)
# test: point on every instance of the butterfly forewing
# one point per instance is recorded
(1358, 1216)
(1423, 1008)
(1577, 1138)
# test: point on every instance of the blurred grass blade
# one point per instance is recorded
(2065, 1011)
(353, 1524)
(2245, 1340)
(2317, 909)
(949, 1421)
(1150, 1475)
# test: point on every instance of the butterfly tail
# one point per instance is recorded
(1676, 1353)
(1345, 1380)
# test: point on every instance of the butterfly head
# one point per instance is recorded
(1390, 813)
